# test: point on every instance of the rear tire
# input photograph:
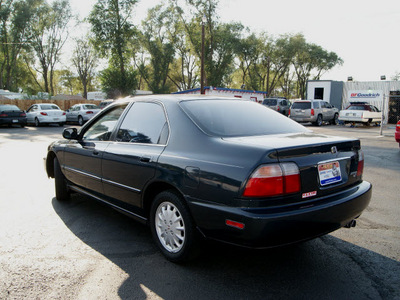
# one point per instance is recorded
(80, 121)
(173, 228)
(37, 122)
(318, 122)
(60, 182)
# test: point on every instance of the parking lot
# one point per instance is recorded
(81, 249)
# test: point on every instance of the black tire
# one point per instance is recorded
(60, 182)
(61, 124)
(335, 120)
(80, 120)
(37, 122)
(318, 122)
(178, 240)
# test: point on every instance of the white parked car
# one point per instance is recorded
(45, 113)
(362, 113)
(81, 113)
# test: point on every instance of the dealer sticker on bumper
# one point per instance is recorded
(329, 173)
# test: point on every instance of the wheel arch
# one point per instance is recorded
(153, 190)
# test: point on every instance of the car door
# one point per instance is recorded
(130, 162)
(82, 157)
(71, 113)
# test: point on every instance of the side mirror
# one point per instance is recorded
(70, 133)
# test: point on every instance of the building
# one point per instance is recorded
(385, 95)
(237, 93)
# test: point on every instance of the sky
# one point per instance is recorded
(364, 33)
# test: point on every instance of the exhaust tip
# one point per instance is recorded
(351, 224)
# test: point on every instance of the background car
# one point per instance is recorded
(195, 167)
(45, 113)
(104, 103)
(397, 133)
(81, 113)
(314, 111)
(362, 113)
(12, 115)
(281, 105)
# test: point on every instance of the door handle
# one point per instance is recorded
(145, 159)
(95, 152)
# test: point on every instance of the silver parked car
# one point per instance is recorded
(45, 113)
(314, 111)
(281, 105)
(81, 113)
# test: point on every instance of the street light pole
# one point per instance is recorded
(203, 20)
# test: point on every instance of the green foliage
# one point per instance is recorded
(117, 84)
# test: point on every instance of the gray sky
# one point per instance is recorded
(365, 34)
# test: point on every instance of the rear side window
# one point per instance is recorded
(302, 105)
(229, 118)
(144, 123)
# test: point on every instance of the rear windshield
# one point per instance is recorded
(302, 105)
(229, 118)
(270, 102)
(48, 106)
(357, 107)
(8, 107)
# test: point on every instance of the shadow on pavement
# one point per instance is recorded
(323, 268)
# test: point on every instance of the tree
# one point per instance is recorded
(158, 42)
(48, 36)
(15, 19)
(112, 29)
(84, 59)
(309, 59)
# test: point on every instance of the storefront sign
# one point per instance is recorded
(365, 95)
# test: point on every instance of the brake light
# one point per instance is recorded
(289, 111)
(273, 180)
(3, 115)
(89, 112)
(23, 115)
(278, 109)
(360, 167)
(43, 113)
(64, 113)
(398, 126)
(312, 111)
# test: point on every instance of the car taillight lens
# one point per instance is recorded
(3, 115)
(64, 113)
(278, 109)
(273, 180)
(360, 167)
(89, 112)
(289, 112)
(312, 111)
(23, 115)
(43, 113)
(398, 126)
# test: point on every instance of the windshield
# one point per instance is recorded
(228, 118)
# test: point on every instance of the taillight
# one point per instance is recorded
(64, 113)
(22, 115)
(289, 112)
(360, 167)
(89, 112)
(398, 126)
(312, 111)
(278, 109)
(3, 115)
(43, 113)
(273, 180)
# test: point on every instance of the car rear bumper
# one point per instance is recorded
(11, 120)
(51, 119)
(264, 228)
(304, 119)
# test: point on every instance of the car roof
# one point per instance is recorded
(175, 98)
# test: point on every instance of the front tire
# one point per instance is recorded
(60, 182)
(172, 227)
(335, 120)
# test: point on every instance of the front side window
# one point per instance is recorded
(144, 123)
(102, 128)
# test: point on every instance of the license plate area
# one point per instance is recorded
(329, 173)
